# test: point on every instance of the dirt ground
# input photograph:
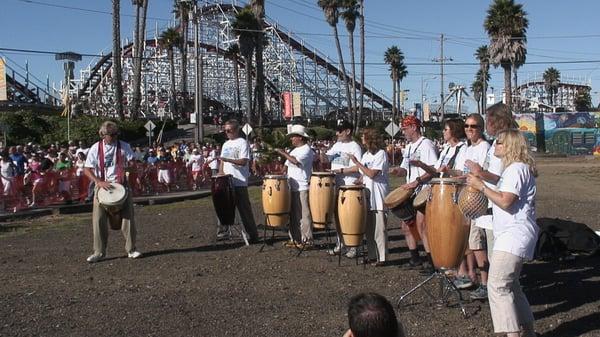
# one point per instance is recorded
(188, 284)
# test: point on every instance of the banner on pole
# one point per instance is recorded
(287, 105)
(297, 104)
(3, 96)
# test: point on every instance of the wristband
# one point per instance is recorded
(419, 180)
(342, 170)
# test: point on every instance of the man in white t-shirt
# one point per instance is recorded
(421, 149)
(212, 161)
(105, 163)
(196, 161)
(339, 157)
(235, 160)
(298, 165)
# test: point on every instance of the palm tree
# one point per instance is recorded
(182, 10)
(482, 55)
(394, 57)
(583, 100)
(245, 27)
(506, 25)
(258, 7)
(401, 73)
(477, 90)
(117, 71)
(362, 58)
(331, 10)
(520, 58)
(233, 53)
(141, 9)
(169, 40)
(551, 82)
(349, 15)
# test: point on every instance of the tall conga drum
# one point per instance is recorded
(276, 200)
(447, 227)
(352, 214)
(320, 198)
(223, 196)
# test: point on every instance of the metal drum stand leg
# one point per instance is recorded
(446, 289)
(265, 242)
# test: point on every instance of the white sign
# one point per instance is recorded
(149, 126)
(392, 129)
(193, 118)
(247, 129)
(149, 133)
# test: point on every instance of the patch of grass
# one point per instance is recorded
(55, 222)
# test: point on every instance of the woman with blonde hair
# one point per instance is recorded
(515, 233)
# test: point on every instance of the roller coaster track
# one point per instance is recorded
(23, 92)
(290, 66)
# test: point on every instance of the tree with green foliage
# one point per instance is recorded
(506, 25)
(482, 55)
(117, 70)
(551, 82)
(169, 40)
(245, 27)
(350, 14)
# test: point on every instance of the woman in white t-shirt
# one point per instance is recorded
(196, 161)
(374, 168)
(515, 234)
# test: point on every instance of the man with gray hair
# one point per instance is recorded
(105, 164)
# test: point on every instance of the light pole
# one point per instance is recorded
(199, 77)
(70, 59)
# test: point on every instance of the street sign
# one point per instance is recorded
(149, 126)
(247, 129)
(149, 133)
(392, 129)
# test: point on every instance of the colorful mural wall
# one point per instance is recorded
(562, 132)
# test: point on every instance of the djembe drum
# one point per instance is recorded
(320, 198)
(400, 202)
(112, 200)
(352, 214)
(420, 200)
(276, 200)
(447, 227)
(223, 196)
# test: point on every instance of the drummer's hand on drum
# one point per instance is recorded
(104, 184)
(394, 170)
(443, 168)
(474, 181)
(410, 186)
(473, 167)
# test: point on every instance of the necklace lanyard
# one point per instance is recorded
(410, 154)
(119, 168)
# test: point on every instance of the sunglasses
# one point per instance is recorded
(498, 143)
(471, 126)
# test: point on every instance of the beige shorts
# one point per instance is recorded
(164, 176)
(477, 239)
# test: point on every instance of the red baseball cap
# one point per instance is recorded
(411, 120)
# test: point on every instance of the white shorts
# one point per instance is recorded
(164, 176)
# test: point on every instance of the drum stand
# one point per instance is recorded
(231, 229)
(446, 289)
(265, 242)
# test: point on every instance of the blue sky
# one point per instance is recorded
(561, 34)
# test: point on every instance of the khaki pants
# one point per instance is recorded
(508, 305)
(100, 225)
(300, 218)
(377, 235)
(245, 209)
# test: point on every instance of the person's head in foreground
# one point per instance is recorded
(372, 315)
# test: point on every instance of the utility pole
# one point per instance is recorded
(199, 80)
(441, 60)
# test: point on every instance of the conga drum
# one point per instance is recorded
(112, 200)
(276, 200)
(420, 200)
(352, 214)
(472, 203)
(447, 227)
(320, 198)
(223, 196)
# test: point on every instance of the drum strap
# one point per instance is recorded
(117, 161)
(409, 155)
(453, 159)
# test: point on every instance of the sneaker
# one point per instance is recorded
(427, 269)
(463, 282)
(291, 244)
(95, 258)
(480, 293)
(413, 264)
(222, 235)
(351, 253)
(134, 255)
(335, 251)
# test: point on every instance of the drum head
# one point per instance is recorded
(323, 174)
(276, 176)
(397, 197)
(421, 198)
(114, 197)
(217, 176)
(352, 187)
(446, 181)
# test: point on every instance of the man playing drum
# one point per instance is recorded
(339, 157)
(298, 165)
(234, 160)
(420, 148)
(105, 164)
